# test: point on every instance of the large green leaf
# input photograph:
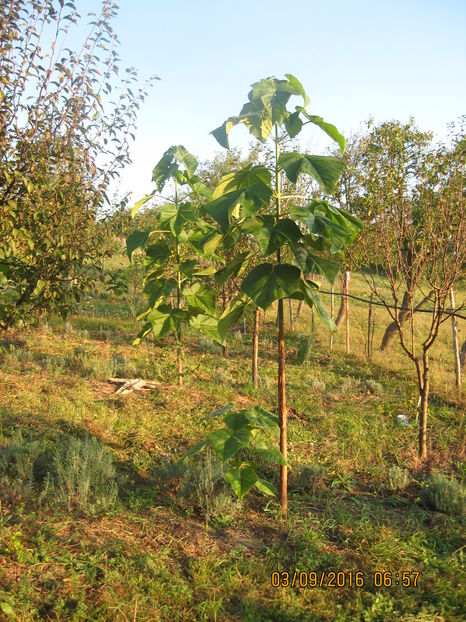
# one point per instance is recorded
(269, 453)
(267, 488)
(232, 313)
(328, 128)
(158, 289)
(267, 283)
(326, 170)
(233, 268)
(165, 320)
(175, 218)
(219, 412)
(136, 239)
(227, 442)
(260, 418)
(312, 298)
(201, 297)
(285, 231)
(309, 262)
(241, 480)
(207, 325)
(222, 209)
(137, 206)
(255, 179)
(158, 252)
(168, 167)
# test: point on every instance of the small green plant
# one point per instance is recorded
(443, 494)
(245, 434)
(316, 385)
(203, 486)
(17, 459)
(372, 386)
(398, 478)
(302, 351)
(83, 474)
(310, 478)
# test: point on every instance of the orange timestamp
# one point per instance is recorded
(349, 578)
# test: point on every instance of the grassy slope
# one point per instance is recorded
(151, 559)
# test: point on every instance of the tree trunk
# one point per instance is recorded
(392, 328)
(300, 309)
(282, 414)
(456, 349)
(255, 348)
(424, 394)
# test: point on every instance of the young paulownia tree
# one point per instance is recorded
(249, 202)
(176, 256)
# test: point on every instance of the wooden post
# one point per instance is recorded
(255, 348)
(369, 330)
(347, 280)
(332, 312)
(312, 322)
(300, 309)
(456, 349)
(290, 308)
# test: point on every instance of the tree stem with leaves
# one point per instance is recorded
(282, 413)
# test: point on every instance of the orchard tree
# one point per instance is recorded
(411, 195)
(62, 140)
(250, 203)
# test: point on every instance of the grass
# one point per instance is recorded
(173, 545)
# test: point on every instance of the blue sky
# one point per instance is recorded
(356, 58)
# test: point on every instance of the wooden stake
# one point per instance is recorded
(347, 280)
(255, 348)
(456, 349)
(332, 312)
(369, 330)
(290, 307)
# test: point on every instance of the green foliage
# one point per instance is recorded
(17, 459)
(304, 343)
(62, 141)
(241, 202)
(398, 478)
(246, 434)
(443, 494)
(310, 478)
(203, 487)
(177, 251)
(83, 474)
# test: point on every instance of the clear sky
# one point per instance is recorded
(389, 59)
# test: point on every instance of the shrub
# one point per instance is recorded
(371, 386)
(302, 351)
(203, 488)
(398, 478)
(443, 494)
(121, 367)
(17, 459)
(316, 385)
(83, 473)
(310, 478)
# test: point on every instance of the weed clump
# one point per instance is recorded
(201, 488)
(17, 459)
(310, 478)
(83, 474)
(443, 494)
(398, 478)
(316, 385)
(302, 351)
